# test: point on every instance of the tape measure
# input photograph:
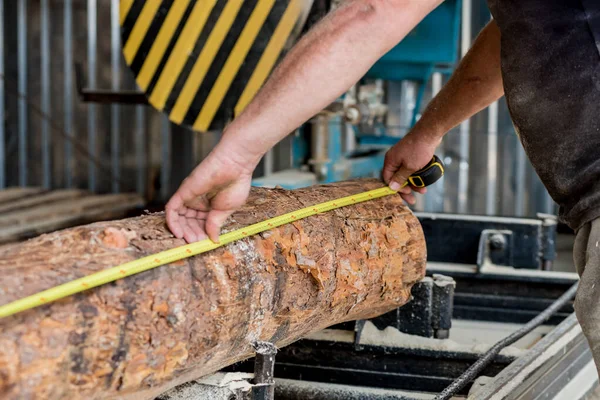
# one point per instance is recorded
(424, 177)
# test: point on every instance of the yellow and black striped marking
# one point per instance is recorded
(202, 61)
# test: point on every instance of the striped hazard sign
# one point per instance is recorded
(202, 61)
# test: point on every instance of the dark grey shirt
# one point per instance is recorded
(551, 72)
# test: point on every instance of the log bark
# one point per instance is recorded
(142, 335)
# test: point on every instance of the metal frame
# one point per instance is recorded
(462, 239)
(115, 109)
(68, 88)
(45, 95)
(373, 366)
(505, 294)
(22, 88)
(105, 96)
(2, 115)
(545, 369)
(92, 10)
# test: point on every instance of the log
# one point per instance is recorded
(140, 336)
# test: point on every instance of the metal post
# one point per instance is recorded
(264, 368)
(140, 149)
(434, 200)
(408, 103)
(2, 76)
(22, 85)
(520, 180)
(115, 109)
(45, 95)
(165, 172)
(68, 89)
(492, 159)
(268, 162)
(463, 173)
(91, 61)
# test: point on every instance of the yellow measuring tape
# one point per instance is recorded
(180, 253)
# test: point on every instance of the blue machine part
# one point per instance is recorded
(432, 46)
(433, 42)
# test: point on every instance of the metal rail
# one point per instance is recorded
(470, 374)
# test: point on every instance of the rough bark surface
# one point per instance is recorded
(140, 336)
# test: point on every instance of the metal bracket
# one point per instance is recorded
(105, 96)
(495, 248)
(428, 314)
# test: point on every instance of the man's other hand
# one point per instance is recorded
(213, 191)
(407, 156)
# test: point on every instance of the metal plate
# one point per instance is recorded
(454, 238)
(201, 62)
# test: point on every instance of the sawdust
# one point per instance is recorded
(216, 386)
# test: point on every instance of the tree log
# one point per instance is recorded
(142, 335)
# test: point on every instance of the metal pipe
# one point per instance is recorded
(115, 109)
(2, 116)
(434, 200)
(264, 369)
(408, 103)
(320, 146)
(463, 172)
(492, 159)
(22, 86)
(140, 149)
(68, 89)
(91, 64)
(268, 163)
(165, 171)
(45, 95)
(292, 389)
(473, 371)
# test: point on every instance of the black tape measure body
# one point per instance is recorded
(427, 175)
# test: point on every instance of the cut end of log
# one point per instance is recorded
(147, 333)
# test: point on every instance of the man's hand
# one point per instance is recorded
(205, 199)
(407, 156)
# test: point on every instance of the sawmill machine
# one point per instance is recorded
(201, 63)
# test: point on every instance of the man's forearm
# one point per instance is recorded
(476, 83)
(323, 65)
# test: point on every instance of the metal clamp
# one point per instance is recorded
(428, 314)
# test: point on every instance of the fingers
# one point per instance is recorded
(188, 233)
(399, 178)
(214, 221)
(409, 198)
(389, 167)
(224, 203)
(172, 214)
(197, 227)
(407, 194)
